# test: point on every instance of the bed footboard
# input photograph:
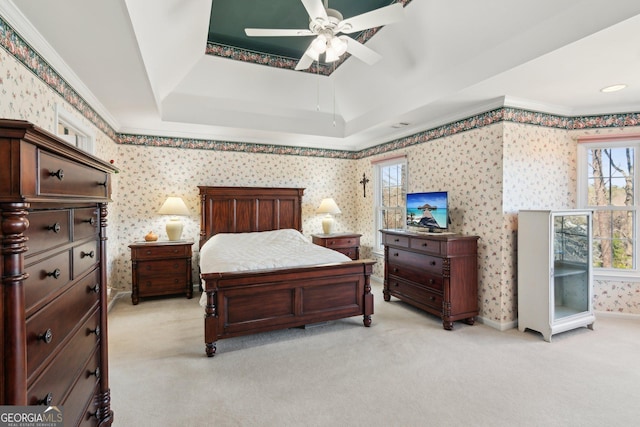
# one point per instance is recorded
(259, 301)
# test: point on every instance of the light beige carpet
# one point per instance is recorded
(404, 370)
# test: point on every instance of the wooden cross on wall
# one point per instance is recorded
(364, 181)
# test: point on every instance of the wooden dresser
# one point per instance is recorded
(160, 268)
(53, 342)
(346, 243)
(435, 272)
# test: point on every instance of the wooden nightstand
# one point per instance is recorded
(346, 243)
(161, 268)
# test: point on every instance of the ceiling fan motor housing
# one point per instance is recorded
(318, 24)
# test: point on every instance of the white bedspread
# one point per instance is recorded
(226, 252)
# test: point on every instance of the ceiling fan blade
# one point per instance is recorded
(315, 9)
(360, 51)
(375, 18)
(275, 32)
(304, 62)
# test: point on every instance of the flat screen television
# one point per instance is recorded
(428, 211)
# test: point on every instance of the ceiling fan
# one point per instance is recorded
(325, 24)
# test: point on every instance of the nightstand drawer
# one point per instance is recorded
(342, 242)
(162, 285)
(345, 243)
(350, 252)
(152, 251)
(158, 269)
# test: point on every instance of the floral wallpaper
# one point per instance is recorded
(493, 164)
(149, 175)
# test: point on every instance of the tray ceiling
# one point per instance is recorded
(143, 66)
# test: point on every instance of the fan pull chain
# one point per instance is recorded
(333, 83)
(318, 85)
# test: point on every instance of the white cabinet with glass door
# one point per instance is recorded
(554, 271)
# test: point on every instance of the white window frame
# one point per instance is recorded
(631, 275)
(84, 137)
(377, 191)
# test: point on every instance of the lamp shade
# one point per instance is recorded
(174, 206)
(328, 206)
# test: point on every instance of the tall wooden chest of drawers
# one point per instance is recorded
(160, 268)
(435, 272)
(53, 322)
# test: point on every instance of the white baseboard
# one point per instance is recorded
(497, 325)
(618, 315)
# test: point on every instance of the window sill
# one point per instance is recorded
(617, 277)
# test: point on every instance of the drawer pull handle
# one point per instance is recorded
(95, 331)
(55, 228)
(47, 337)
(91, 220)
(396, 240)
(47, 400)
(58, 174)
(432, 263)
(102, 184)
(396, 254)
(95, 288)
(96, 372)
(89, 254)
(431, 281)
(55, 273)
(395, 269)
(432, 298)
(425, 244)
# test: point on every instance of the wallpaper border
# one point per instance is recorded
(16, 46)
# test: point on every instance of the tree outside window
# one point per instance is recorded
(610, 184)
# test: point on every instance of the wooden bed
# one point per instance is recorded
(248, 302)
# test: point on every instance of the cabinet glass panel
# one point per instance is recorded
(571, 265)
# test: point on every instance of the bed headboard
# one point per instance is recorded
(245, 209)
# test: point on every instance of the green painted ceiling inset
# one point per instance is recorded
(229, 18)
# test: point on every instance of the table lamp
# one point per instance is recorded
(328, 207)
(174, 206)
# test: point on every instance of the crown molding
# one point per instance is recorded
(14, 17)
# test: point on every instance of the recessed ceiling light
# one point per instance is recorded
(613, 88)
(399, 125)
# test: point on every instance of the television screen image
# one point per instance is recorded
(428, 210)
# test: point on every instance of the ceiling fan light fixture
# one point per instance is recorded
(338, 45)
(331, 55)
(319, 44)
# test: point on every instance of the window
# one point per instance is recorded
(607, 182)
(71, 129)
(390, 192)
